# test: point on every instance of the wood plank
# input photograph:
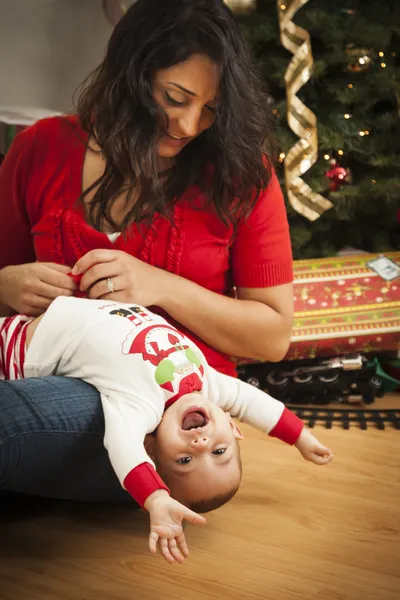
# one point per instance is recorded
(294, 531)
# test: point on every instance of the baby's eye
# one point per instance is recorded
(184, 461)
(219, 451)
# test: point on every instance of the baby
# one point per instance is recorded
(152, 378)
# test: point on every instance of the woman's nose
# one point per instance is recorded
(189, 124)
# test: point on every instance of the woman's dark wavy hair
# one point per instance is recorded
(117, 109)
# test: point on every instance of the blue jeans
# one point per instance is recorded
(51, 441)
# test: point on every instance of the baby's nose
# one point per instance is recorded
(200, 442)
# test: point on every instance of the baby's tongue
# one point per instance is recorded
(193, 419)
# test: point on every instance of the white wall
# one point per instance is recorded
(47, 47)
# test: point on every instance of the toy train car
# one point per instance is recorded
(351, 379)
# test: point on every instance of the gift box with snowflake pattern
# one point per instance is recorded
(346, 304)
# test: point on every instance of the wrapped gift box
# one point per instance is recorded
(14, 119)
(342, 305)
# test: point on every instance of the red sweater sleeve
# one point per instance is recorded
(16, 245)
(262, 253)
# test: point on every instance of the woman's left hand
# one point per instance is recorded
(116, 275)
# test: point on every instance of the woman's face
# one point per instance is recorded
(188, 93)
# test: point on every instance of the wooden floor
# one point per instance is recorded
(295, 531)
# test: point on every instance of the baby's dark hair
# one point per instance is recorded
(210, 504)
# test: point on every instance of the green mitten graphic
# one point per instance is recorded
(165, 371)
(192, 357)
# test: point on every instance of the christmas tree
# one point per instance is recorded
(354, 92)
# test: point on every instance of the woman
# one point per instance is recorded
(158, 193)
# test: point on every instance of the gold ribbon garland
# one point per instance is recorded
(301, 119)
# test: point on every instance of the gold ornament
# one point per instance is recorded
(241, 5)
(114, 10)
(301, 119)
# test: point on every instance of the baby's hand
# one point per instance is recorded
(311, 449)
(166, 532)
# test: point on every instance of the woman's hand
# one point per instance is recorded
(116, 275)
(30, 289)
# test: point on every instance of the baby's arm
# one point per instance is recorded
(253, 406)
(256, 408)
(127, 422)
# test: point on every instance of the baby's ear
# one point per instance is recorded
(238, 435)
(150, 446)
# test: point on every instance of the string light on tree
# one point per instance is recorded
(359, 58)
(347, 115)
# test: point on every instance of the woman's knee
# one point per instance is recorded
(51, 441)
(49, 404)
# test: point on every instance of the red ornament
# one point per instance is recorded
(338, 175)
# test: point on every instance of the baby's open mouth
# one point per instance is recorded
(193, 418)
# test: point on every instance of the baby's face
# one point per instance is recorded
(196, 449)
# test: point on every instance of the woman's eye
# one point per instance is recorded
(172, 100)
(219, 451)
(184, 461)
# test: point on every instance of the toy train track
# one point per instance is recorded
(361, 418)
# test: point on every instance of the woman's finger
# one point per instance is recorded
(99, 273)
(56, 267)
(51, 292)
(57, 279)
(101, 289)
(92, 258)
(40, 302)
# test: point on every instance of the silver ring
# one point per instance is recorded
(110, 285)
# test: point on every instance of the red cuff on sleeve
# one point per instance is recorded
(143, 481)
(288, 428)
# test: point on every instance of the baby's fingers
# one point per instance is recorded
(182, 545)
(175, 551)
(193, 517)
(153, 539)
(165, 551)
(322, 458)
